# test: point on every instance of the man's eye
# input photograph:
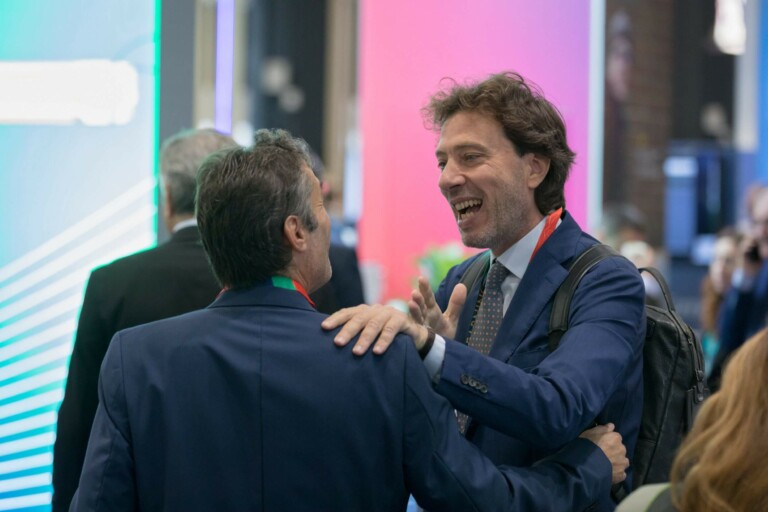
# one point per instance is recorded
(471, 157)
(441, 164)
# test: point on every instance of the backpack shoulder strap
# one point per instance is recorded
(558, 321)
(476, 271)
(663, 285)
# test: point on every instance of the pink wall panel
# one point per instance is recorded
(406, 47)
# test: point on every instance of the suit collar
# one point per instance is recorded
(261, 295)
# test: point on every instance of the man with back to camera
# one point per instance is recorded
(168, 280)
(504, 160)
(745, 308)
(247, 405)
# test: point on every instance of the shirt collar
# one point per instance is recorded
(184, 224)
(517, 257)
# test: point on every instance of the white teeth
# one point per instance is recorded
(466, 204)
(463, 206)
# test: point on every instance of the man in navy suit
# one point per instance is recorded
(745, 309)
(504, 161)
(247, 405)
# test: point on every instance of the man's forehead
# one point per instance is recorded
(469, 129)
(444, 147)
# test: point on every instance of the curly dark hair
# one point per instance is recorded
(530, 122)
(244, 196)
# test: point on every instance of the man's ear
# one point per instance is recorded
(295, 234)
(539, 167)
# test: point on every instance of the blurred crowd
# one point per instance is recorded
(733, 296)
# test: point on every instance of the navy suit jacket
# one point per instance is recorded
(743, 314)
(165, 281)
(537, 400)
(248, 405)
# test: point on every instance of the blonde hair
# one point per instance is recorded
(721, 464)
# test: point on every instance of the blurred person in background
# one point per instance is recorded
(714, 286)
(247, 405)
(745, 307)
(345, 289)
(169, 280)
(623, 227)
(621, 223)
(720, 467)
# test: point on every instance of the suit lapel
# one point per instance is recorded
(542, 278)
(467, 312)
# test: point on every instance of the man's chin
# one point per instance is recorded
(474, 242)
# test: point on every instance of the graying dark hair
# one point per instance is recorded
(244, 196)
(181, 156)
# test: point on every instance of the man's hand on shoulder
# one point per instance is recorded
(379, 324)
(610, 443)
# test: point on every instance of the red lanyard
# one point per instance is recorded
(296, 286)
(549, 228)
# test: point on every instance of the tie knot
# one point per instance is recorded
(496, 276)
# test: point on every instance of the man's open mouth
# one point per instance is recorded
(466, 209)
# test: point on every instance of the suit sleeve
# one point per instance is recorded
(446, 472)
(108, 478)
(552, 403)
(80, 397)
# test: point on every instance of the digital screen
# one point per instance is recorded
(78, 129)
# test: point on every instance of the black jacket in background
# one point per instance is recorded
(345, 289)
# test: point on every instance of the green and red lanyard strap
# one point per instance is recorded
(286, 283)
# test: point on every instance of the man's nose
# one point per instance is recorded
(450, 177)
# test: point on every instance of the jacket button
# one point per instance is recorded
(464, 379)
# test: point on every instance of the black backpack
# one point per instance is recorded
(673, 366)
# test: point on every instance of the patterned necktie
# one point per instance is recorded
(488, 319)
(491, 311)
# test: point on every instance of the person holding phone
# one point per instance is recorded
(745, 309)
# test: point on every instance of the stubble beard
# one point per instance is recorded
(503, 226)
